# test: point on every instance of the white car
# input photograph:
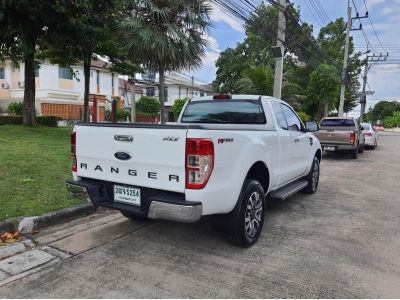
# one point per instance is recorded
(226, 157)
(371, 136)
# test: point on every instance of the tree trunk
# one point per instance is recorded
(161, 92)
(30, 88)
(86, 71)
(326, 108)
(133, 103)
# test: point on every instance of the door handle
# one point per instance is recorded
(123, 138)
(296, 140)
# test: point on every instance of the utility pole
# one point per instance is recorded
(370, 58)
(281, 50)
(345, 60)
(363, 99)
(346, 55)
(192, 86)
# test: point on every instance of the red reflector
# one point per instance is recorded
(222, 97)
(73, 152)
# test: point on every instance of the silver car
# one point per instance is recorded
(371, 136)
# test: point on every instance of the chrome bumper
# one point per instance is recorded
(175, 212)
(79, 192)
(187, 212)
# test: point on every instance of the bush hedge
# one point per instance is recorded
(49, 121)
(15, 108)
(11, 120)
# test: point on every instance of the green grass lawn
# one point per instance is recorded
(34, 164)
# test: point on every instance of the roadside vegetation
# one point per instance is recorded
(35, 162)
(311, 80)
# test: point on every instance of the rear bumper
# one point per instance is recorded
(155, 204)
(338, 147)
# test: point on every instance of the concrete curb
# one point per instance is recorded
(51, 218)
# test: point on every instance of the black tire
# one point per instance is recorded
(354, 153)
(132, 216)
(313, 177)
(246, 221)
(361, 148)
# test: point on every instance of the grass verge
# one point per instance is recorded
(34, 164)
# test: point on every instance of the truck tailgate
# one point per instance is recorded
(138, 156)
(336, 135)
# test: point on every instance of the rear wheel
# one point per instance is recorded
(361, 148)
(312, 177)
(354, 153)
(132, 216)
(245, 222)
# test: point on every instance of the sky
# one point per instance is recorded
(384, 79)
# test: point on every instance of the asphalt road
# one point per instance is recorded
(342, 242)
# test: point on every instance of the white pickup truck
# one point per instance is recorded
(226, 157)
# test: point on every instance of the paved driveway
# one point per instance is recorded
(343, 241)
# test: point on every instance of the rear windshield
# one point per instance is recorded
(224, 111)
(337, 122)
(366, 126)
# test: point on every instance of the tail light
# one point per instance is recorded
(73, 152)
(199, 162)
(352, 137)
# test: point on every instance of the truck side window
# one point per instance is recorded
(293, 121)
(280, 117)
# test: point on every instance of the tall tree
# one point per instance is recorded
(91, 30)
(332, 39)
(166, 35)
(25, 26)
(322, 90)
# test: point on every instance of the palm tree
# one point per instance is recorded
(256, 80)
(166, 35)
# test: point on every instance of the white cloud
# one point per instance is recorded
(212, 43)
(218, 15)
(372, 3)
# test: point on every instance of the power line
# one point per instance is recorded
(373, 27)
(317, 11)
(322, 10)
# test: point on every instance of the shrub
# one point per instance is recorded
(148, 106)
(15, 108)
(303, 116)
(122, 114)
(50, 121)
(11, 120)
(177, 107)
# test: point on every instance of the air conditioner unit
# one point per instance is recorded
(20, 84)
(5, 86)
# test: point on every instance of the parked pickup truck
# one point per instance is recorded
(341, 134)
(225, 157)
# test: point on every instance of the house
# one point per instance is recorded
(177, 86)
(125, 92)
(60, 92)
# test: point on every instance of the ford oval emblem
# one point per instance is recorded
(122, 156)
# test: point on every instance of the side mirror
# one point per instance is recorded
(362, 128)
(312, 126)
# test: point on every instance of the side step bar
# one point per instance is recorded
(289, 190)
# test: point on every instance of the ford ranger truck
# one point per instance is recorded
(225, 157)
(341, 134)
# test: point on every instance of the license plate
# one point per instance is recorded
(127, 195)
(329, 148)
